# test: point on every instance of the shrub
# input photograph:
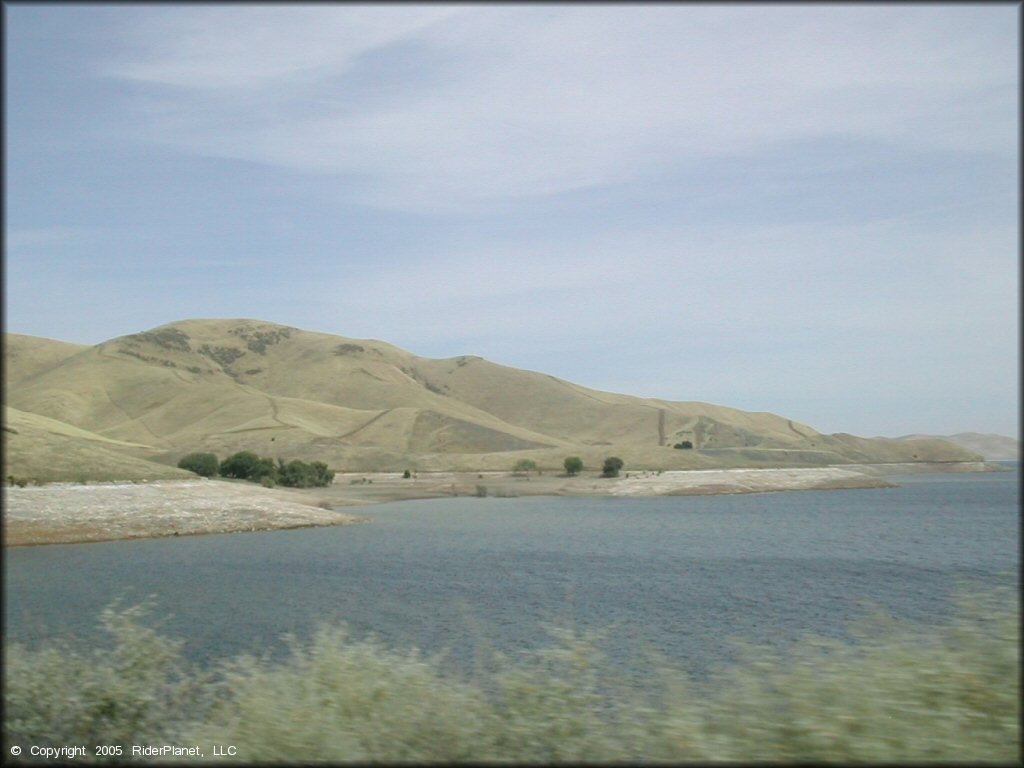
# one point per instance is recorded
(137, 692)
(263, 468)
(573, 465)
(342, 701)
(893, 693)
(322, 476)
(611, 467)
(686, 444)
(296, 474)
(525, 465)
(204, 464)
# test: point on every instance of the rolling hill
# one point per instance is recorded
(226, 385)
(992, 447)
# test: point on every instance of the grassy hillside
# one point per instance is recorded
(45, 450)
(228, 385)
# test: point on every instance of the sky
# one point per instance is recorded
(811, 210)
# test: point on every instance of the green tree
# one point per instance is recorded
(573, 465)
(525, 465)
(239, 465)
(322, 476)
(611, 467)
(204, 464)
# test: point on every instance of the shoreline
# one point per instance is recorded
(385, 487)
(74, 513)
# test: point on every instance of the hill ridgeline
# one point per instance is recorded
(131, 407)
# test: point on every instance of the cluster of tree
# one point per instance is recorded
(246, 465)
(684, 444)
(574, 465)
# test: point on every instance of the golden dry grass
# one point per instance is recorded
(45, 450)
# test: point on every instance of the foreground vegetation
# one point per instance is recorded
(894, 693)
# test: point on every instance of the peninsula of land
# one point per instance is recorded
(93, 435)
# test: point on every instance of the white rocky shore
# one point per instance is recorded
(62, 513)
(723, 481)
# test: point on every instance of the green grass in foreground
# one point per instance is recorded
(894, 694)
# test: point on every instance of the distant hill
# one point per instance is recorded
(365, 405)
(992, 447)
(26, 355)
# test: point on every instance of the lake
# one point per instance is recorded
(678, 575)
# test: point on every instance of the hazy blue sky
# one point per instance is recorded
(809, 209)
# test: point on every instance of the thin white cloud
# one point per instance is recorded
(536, 101)
(261, 48)
(891, 283)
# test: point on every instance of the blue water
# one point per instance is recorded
(678, 575)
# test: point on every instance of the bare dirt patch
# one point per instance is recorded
(66, 513)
